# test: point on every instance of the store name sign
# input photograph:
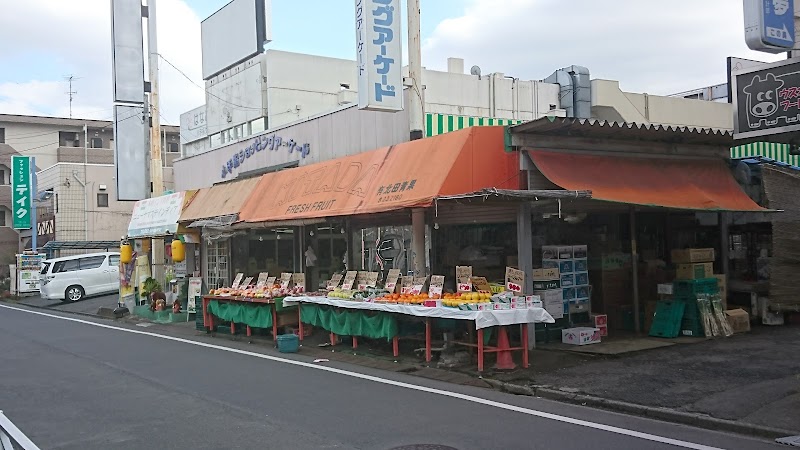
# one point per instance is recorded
(21, 191)
(766, 99)
(379, 55)
(272, 142)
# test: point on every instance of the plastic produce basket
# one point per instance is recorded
(667, 319)
(288, 343)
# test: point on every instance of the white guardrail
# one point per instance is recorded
(11, 438)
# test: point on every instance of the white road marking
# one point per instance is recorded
(469, 398)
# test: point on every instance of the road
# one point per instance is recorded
(88, 305)
(72, 382)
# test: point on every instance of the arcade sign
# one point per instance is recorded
(766, 99)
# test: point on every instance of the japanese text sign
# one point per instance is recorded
(333, 283)
(286, 280)
(463, 275)
(349, 279)
(481, 284)
(379, 55)
(262, 280)
(766, 99)
(391, 279)
(437, 285)
(21, 191)
(237, 281)
(515, 279)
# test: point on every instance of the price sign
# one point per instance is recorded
(361, 280)
(515, 279)
(418, 285)
(262, 280)
(237, 281)
(408, 285)
(246, 283)
(437, 285)
(286, 279)
(299, 280)
(271, 281)
(349, 279)
(391, 280)
(465, 286)
(481, 284)
(334, 281)
(372, 279)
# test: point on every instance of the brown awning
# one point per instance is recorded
(693, 184)
(222, 199)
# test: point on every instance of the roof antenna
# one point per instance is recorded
(70, 92)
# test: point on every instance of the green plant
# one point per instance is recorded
(150, 286)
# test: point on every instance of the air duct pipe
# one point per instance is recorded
(575, 93)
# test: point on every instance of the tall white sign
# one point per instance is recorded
(379, 55)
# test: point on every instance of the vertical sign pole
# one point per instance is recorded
(416, 108)
(34, 227)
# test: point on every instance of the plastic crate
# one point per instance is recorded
(667, 319)
(288, 343)
(692, 329)
(690, 288)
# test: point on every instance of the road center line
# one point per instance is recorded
(469, 398)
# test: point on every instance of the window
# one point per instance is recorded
(4, 176)
(173, 147)
(97, 142)
(68, 139)
(217, 264)
(70, 265)
(2, 218)
(2, 135)
(113, 260)
(216, 140)
(45, 266)
(92, 262)
(257, 126)
(102, 200)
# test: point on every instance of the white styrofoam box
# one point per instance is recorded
(567, 280)
(665, 288)
(500, 306)
(580, 336)
(581, 278)
(533, 301)
(581, 264)
(583, 292)
(549, 252)
(580, 251)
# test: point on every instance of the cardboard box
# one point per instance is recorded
(546, 285)
(549, 263)
(581, 278)
(583, 292)
(567, 280)
(603, 330)
(549, 252)
(600, 320)
(696, 271)
(739, 320)
(568, 293)
(566, 266)
(580, 336)
(581, 265)
(552, 302)
(665, 288)
(546, 274)
(580, 251)
(692, 255)
(565, 252)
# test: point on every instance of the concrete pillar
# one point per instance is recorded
(525, 257)
(418, 240)
(635, 274)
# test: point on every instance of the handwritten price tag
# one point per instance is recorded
(513, 287)
(417, 289)
(464, 287)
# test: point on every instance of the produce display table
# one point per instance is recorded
(246, 310)
(379, 326)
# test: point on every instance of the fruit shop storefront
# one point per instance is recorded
(654, 193)
(366, 221)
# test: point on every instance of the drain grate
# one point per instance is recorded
(793, 441)
(424, 447)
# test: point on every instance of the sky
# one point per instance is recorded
(655, 47)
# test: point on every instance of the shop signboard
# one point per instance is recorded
(766, 99)
(157, 216)
(45, 229)
(463, 276)
(349, 279)
(769, 25)
(195, 294)
(262, 280)
(242, 153)
(29, 265)
(379, 54)
(21, 191)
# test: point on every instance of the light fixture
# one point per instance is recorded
(436, 225)
(261, 239)
(311, 233)
(342, 230)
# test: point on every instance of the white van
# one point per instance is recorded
(75, 277)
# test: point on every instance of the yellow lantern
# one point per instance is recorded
(178, 252)
(125, 253)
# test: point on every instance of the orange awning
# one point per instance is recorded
(406, 175)
(219, 200)
(695, 184)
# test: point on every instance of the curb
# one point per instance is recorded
(657, 413)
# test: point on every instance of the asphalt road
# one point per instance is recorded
(88, 305)
(86, 383)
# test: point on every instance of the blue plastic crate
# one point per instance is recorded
(288, 343)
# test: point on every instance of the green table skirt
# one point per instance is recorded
(253, 314)
(350, 322)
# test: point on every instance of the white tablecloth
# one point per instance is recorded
(482, 319)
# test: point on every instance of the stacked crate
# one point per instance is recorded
(694, 273)
(573, 266)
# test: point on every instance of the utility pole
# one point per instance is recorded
(156, 171)
(416, 110)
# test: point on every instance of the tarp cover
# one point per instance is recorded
(406, 175)
(693, 184)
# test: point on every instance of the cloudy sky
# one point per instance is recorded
(655, 47)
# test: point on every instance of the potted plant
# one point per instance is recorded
(152, 290)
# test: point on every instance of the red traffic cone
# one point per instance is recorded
(504, 361)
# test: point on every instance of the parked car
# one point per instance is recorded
(74, 277)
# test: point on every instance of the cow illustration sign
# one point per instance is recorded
(766, 99)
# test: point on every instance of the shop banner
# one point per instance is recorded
(195, 294)
(515, 280)
(143, 272)
(333, 283)
(391, 280)
(349, 279)
(21, 195)
(157, 216)
(262, 280)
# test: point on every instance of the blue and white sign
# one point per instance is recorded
(379, 55)
(271, 142)
(769, 25)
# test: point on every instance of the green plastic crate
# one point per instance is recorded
(692, 328)
(288, 343)
(667, 319)
(690, 288)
